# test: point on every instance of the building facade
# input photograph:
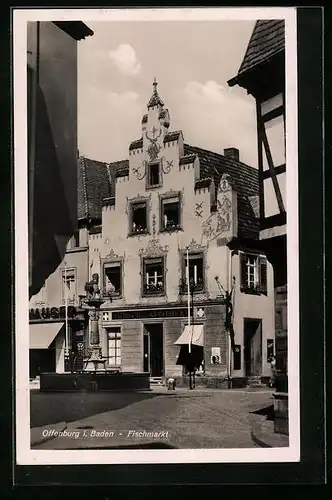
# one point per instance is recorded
(176, 210)
(52, 143)
(262, 74)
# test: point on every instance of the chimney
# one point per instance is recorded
(232, 153)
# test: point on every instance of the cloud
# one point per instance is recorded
(124, 58)
(215, 117)
(106, 133)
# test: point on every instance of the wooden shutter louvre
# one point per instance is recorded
(243, 271)
(263, 274)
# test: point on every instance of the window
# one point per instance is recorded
(153, 276)
(139, 222)
(154, 175)
(170, 214)
(114, 346)
(113, 278)
(76, 239)
(253, 273)
(68, 285)
(196, 273)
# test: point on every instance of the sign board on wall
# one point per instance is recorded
(52, 313)
(151, 313)
(215, 355)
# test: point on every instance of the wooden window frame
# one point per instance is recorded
(147, 176)
(118, 339)
(131, 206)
(145, 260)
(261, 269)
(64, 274)
(162, 199)
(112, 263)
(183, 284)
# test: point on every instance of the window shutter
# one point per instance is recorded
(263, 274)
(243, 270)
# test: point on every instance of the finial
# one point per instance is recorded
(155, 83)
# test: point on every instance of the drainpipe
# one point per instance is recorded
(229, 287)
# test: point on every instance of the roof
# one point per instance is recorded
(243, 178)
(138, 144)
(96, 188)
(95, 183)
(172, 136)
(155, 98)
(267, 40)
(76, 29)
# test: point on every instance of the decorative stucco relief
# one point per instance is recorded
(154, 148)
(154, 249)
(199, 209)
(220, 221)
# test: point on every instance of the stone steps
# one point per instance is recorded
(156, 380)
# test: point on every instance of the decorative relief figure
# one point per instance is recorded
(224, 184)
(140, 171)
(199, 209)
(154, 224)
(111, 255)
(169, 166)
(220, 221)
(154, 249)
(153, 148)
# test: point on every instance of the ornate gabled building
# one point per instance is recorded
(262, 74)
(172, 211)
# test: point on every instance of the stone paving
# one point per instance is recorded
(183, 419)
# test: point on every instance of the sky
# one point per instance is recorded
(192, 62)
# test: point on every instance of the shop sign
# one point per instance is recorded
(45, 313)
(150, 314)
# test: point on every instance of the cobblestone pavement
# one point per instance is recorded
(183, 419)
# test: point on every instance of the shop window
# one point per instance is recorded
(196, 273)
(113, 279)
(253, 273)
(170, 214)
(139, 222)
(114, 346)
(69, 286)
(154, 276)
(154, 175)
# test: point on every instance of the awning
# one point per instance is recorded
(193, 334)
(43, 334)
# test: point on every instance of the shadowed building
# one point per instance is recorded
(262, 74)
(52, 143)
(52, 181)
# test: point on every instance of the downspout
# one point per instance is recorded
(229, 287)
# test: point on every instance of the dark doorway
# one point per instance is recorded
(253, 347)
(41, 361)
(154, 349)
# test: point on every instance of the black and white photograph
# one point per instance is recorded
(156, 244)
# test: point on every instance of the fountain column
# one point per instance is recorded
(93, 300)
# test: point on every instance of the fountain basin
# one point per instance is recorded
(94, 381)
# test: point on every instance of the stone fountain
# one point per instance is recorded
(95, 375)
(93, 301)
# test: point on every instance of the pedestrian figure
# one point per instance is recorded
(273, 371)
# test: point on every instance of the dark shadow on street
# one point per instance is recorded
(267, 411)
(51, 408)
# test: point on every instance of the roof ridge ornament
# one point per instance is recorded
(155, 98)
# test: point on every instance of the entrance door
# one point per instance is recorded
(253, 347)
(154, 349)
